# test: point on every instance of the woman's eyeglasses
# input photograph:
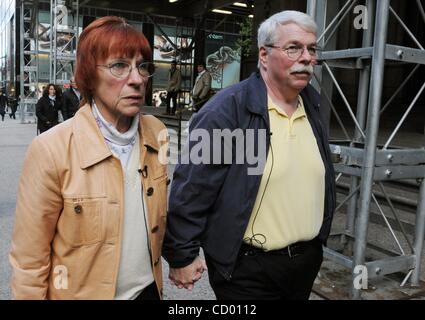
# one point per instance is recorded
(122, 69)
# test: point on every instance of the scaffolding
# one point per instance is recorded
(63, 41)
(185, 33)
(62, 35)
(360, 157)
(29, 66)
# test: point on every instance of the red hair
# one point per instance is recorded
(102, 38)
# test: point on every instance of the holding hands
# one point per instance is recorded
(187, 276)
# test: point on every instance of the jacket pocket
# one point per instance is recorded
(80, 222)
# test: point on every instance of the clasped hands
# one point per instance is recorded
(187, 276)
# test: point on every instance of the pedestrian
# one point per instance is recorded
(3, 104)
(92, 198)
(202, 87)
(13, 105)
(173, 88)
(71, 100)
(47, 108)
(261, 231)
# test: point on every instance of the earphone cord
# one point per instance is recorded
(255, 236)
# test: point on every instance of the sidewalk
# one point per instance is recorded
(14, 140)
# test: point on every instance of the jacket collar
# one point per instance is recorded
(91, 146)
(149, 137)
(257, 94)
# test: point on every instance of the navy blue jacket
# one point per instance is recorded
(210, 204)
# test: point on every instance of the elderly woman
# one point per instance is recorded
(91, 208)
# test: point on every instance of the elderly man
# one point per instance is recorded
(71, 100)
(262, 233)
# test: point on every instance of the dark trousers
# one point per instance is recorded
(149, 293)
(2, 116)
(171, 95)
(12, 113)
(274, 275)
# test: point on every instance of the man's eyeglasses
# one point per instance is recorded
(122, 69)
(295, 52)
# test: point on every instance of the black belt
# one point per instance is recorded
(292, 250)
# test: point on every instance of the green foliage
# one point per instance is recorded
(245, 40)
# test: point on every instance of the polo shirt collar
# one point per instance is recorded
(299, 113)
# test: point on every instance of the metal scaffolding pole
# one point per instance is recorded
(312, 7)
(28, 50)
(377, 81)
(419, 235)
(21, 63)
(52, 56)
(317, 9)
(321, 11)
(361, 113)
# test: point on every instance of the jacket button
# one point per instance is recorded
(156, 262)
(155, 229)
(168, 181)
(78, 209)
(149, 192)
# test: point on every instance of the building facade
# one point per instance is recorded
(7, 46)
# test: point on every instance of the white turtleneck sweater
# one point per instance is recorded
(135, 269)
(121, 144)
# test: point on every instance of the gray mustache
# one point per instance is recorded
(309, 69)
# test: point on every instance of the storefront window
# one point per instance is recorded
(223, 59)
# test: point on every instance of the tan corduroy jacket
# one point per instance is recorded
(70, 208)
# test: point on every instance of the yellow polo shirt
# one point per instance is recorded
(292, 204)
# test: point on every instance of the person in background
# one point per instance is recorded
(202, 87)
(13, 104)
(173, 88)
(47, 108)
(3, 104)
(71, 100)
(92, 199)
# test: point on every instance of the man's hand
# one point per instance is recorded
(187, 276)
